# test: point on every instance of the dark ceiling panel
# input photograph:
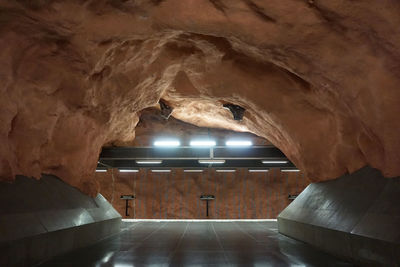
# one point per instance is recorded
(240, 163)
(150, 152)
(252, 152)
(186, 157)
(190, 153)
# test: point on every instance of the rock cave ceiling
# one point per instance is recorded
(153, 126)
(319, 79)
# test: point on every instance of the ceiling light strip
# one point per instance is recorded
(149, 161)
(224, 170)
(211, 161)
(166, 143)
(127, 170)
(238, 143)
(258, 170)
(192, 170)
(274, 161)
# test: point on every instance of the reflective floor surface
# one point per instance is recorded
(198, 244)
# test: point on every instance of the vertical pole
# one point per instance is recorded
(207, 206)
(126, 207)
(112, 186)
(134, 193)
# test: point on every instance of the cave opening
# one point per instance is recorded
(171, 164)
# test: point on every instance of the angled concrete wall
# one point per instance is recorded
(356, 217)
(41, 219)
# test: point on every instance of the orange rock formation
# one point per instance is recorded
(152, 126)
(319, 79)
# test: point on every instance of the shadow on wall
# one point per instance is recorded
(176, 195)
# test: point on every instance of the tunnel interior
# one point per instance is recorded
(93, 90)
(254, 181)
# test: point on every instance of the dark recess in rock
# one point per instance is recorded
(166, 110)
(237, 111)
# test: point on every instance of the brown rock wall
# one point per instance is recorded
(319, 79)
(152, 126)
(175, 195)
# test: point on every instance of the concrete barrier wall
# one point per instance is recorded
(44, 218)
(356, 217)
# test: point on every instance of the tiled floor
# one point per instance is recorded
(198, 244)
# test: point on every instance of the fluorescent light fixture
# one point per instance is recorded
(211, 161)
(167, 143)
(240, 143)
(192, 170)
(203, 143)
(160, 170)
(101, 170)
(152, 161)
(127, 170)
(258, 170)
(222, 170)
(274, 161)
(290, 170)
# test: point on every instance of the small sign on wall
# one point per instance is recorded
(127, 198)
(207, 198)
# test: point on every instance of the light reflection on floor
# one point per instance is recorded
(164, 243)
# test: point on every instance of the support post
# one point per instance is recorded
(207, 198)
(127, 198)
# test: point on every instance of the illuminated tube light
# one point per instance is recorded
(203, 143)
(149, 161)
(160, 170)
(240, 143)
(192, 170)
(127, 170)
(274, 161)
(290, 170)
(211, 161)
(258, 170)
(167, 143)
(225, 170)
(101, 170)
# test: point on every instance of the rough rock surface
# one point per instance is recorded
(319, 78)
(152, 126)
(175, 195)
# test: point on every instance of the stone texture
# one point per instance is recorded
(152, 126)
(319, 79)
(175, 195)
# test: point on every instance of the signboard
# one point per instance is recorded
(207, 197)
(127, 196)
